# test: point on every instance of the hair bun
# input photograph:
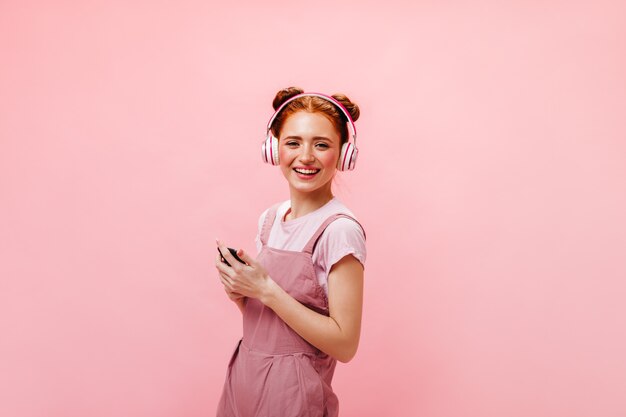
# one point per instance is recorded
(284, 95)
(352, 108)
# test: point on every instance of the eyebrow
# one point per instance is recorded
(314, 137)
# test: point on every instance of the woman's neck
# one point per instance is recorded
(305, 203)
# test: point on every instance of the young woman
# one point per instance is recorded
(302, 297)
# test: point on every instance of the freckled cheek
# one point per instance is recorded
(329, 159)
(284, 155)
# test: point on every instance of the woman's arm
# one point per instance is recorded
(337, 335)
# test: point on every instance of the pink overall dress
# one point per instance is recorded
(274, 372)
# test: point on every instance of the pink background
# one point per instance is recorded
(491, 183)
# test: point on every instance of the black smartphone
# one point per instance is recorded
(234, 253)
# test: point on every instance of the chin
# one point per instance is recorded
(309, 188)
(304, 189)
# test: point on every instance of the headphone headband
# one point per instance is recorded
(336, 102)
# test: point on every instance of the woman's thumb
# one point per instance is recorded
(244, 256)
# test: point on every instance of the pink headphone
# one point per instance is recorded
(349, 152)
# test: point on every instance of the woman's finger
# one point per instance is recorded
(232, 294)
(222, 267)
(234, 264)
(246, 258)
(227, 277)
(226, 281)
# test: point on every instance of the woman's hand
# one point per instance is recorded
(241, 280)
(233, 295)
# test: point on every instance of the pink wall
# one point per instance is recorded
(491, 182)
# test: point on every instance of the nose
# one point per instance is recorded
(307, 153)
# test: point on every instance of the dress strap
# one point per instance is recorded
(268, 222)
(310, 247)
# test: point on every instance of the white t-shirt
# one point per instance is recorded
(342, 236)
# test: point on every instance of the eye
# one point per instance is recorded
(323, 145)
(291, 143)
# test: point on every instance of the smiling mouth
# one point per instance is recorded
(306, 171)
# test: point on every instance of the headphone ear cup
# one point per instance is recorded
(269, 150)
(347, 158)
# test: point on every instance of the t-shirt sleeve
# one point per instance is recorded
(257, 239)
(342, 237)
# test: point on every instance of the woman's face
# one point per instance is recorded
(309, 142)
